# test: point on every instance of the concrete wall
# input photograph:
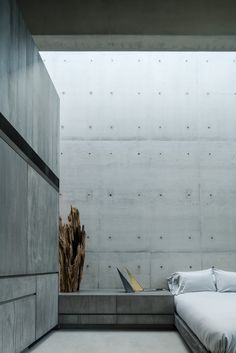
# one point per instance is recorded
(29, 130)
(148, 156)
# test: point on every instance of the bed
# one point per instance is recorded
(207, 321)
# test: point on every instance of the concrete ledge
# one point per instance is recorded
(116, 308)
(135, 42)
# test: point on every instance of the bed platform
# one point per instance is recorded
(188, 336)
(207, 321)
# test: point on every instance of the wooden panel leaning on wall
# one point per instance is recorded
(71, 252)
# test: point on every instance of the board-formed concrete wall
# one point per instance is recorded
(29, 130)
(148, 143)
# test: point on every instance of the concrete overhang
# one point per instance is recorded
(132, 24)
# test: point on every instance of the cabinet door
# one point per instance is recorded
(17, 325)
(42, 225)
(47, 303)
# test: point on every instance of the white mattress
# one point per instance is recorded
(212, 317)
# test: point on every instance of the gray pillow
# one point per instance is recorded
(194, 281)
(225, 280)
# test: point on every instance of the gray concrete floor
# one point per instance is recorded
(111, 341)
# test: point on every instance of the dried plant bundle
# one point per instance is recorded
(71, 252)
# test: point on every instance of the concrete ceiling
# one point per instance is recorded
(131, 24)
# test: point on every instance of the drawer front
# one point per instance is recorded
(76, 320)
(145, 304)
(159, 320)
(132, 320)
(17, 322)
(15, 287)
(87, 304)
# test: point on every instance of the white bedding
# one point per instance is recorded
(212, 317)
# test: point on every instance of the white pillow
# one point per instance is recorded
(225, 280)
(194, 281)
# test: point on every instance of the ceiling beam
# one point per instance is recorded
(131, 24)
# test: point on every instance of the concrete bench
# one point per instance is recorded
(116, 309)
